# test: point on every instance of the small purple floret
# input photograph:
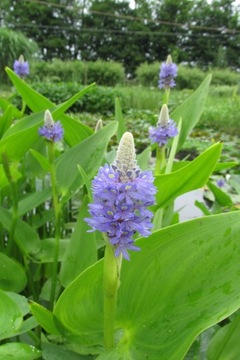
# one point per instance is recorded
(162, 133)
(221, 183)
(53, 132)
(119, 208)
(21, 68)
(167, 74)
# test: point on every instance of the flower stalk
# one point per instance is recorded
(111, 283)
(14, 193)
(52, 132)
(57, 212)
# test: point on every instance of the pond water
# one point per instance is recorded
(184, 204)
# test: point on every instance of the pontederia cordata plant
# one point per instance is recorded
(94, 263)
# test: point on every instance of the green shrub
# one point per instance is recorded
(225, 77)
(99, 99)
(103, 73)
(148, 74)
(188, 77)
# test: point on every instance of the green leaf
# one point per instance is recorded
(225, 165)
(184, 280)
(20, 137)
(12, 275)
(16, 175)
(25, 235)
(191, 110)
(74, 131)
(87, 181)
(225, 343)
(60, 352)
(47, 250)
(44, 317)
(221, 197)
(31, 201)
(19, 351)
(119, 118)
(10, 316)
(67, 104)
(88, 154)
(43, 161)
(190, 177)
(81, 251)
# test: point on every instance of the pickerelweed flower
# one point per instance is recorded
(168, 72)
(52, 131)
(166, 128)
(21, 67)
(221, 183)
(121, 195)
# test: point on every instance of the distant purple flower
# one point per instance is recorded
(221, 183)
(168, 72)
(121, 196)
(21, 67)
(51, 130)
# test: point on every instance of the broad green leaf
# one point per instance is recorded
(20, 137)
(25, 235)
(88, 154)
(191, 110)
(12, 274)
(184, 280)
(10, 316)
(119, 118)
(19, 351)
(225, 343)
(35, 101)
(190, 177)
(81, 252)
(6, 120)
(144, 158)
(14, 173)
(29, 323)
(31, 201)
(43, 161)
(44, 318)
(60, 352)
(47, 250)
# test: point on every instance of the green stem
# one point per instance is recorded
(14, 193)
(160, 159)
(111, 283)
(57, 212)
(166, 96)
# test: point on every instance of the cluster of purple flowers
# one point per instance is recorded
(119, 206)
(21, 67)
(163, 132)
(52, 131)
(168, 72)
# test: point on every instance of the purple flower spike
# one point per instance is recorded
(162, 133)
(167, 74)
(51, 130)
(166, 128)
(21, 67)
(121, 195)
